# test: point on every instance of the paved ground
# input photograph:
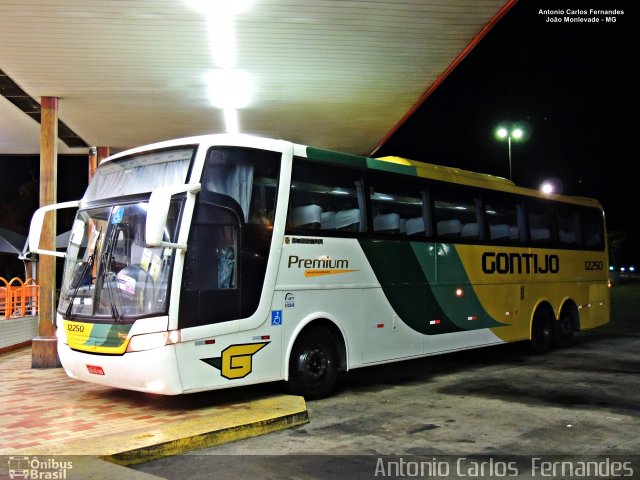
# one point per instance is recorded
(63, 429)
(45, 412)
(495, 402)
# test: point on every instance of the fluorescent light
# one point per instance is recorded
(231, 120)
(219, 7)
(222, 40)
(229, 88)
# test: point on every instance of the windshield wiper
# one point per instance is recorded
(85, 269)
(108, 275)
(114, 309)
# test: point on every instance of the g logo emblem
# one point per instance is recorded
(236, 360)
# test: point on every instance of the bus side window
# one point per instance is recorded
(306, 217)
(211, 258)
(226, 266)
(457, 213)
(541, 225)
(592, 228)
(522, 232)
(325, 197)
(248, 176)
(504, 217)
(396, 205)
(212, 267)
(263, 201)
(568, 226)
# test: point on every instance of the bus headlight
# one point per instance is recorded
(149, 341)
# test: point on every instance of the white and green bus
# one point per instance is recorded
(226, 260)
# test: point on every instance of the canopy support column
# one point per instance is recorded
(93, 162)
(44, 352)
(103, 152)
(96, 155)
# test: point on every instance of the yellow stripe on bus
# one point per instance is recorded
(319, 273)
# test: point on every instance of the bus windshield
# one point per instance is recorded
(109, 271)
(140, 173)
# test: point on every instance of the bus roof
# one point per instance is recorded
(389, 164)
(440, 172)
(410, 167)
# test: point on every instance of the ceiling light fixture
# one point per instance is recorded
(222, 40)
(219, 7)
(227, 87)
(231, 120)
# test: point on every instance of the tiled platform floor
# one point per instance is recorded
(44, 411)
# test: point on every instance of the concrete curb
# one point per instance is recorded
(224, 424)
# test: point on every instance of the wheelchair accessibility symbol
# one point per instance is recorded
(118, 213)
(276, 317)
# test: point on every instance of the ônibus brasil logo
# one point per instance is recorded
(38, 469)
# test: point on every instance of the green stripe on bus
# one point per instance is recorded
(106, 335)
(336, 157)
(445, 272)
(429, 305)
(391, 167)
(406, 287)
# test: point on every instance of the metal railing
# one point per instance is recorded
(18, 298)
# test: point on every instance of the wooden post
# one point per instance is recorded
(96, 155)
(103, 152)
(93, 162)
(44, 353)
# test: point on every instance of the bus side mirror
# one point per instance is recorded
(37, 221)
(159, 210)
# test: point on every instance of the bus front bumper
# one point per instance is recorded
(150, 371)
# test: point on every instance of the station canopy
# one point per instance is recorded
(335, 74)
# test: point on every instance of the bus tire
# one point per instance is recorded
(564, 329)
(541, 332)
(313, 365)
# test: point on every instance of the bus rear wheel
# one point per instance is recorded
(541, 332)
(313, 365)
(564, 328)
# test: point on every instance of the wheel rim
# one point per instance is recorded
(565, 326)
(313, 365)
(542, 335)
(545, 332)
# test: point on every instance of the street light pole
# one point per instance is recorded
(509, 143)
(517, 134)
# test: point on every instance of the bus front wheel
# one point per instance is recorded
(313, 365)
(541, 332)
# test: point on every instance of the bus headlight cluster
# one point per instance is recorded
(149, 341)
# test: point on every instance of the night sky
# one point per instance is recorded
(576, 87)
(573, 84)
